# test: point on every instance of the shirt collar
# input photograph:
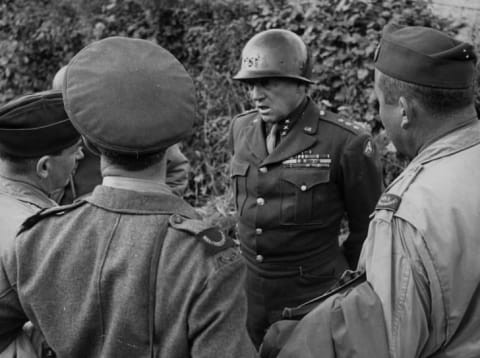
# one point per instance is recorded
(136, 184)
(286, 124)
(461, 138)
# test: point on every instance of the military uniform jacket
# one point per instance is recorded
(87, 276)
(421, 261)
(422, 251)
(290, 203)
(18, 201)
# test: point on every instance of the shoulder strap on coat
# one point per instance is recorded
(214, 238)
(44, 213)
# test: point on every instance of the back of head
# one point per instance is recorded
(57, 81)
(427, 64)
(275, 53)
(129, 96)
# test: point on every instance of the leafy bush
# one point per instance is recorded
(37, 37)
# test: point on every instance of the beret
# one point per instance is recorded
(129, 96)
(425, 56)
(36, 125)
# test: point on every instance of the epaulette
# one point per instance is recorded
(214, 239)
(244, 115)
(56, 210)
(389, 202)
(340, 121)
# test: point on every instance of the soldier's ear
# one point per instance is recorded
(43, 166)
(407, 112)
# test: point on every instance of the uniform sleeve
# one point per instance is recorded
(362, 186)
(217, 323)
(402, 274)
(177, 170)
(12, 317)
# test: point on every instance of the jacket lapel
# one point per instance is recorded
(301, 137)
(255, 140)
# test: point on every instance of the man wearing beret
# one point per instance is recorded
(88, 175)
(131, 270)
(39, 149)
(421, 253)
(297, 171)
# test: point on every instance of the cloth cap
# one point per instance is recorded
(426, 57)
(36, 125)
(129, 96)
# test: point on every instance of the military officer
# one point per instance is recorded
(39, 148)
(421, 253)
(297, 171)
(87, 175)
(130, 271)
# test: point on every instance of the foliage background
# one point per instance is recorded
(37, 37)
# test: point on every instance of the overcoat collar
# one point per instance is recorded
(134, 202)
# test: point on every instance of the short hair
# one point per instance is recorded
(22, 165)
(437, 100)
(132, 162)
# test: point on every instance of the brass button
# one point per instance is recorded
(258, 231)
(259, 258)
(263, 170)
(177, 219)
(303, 187)
(260, 201)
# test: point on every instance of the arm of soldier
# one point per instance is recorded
(218, 317)
(12, 317)
(401, 272)
(362, 186)
(177, 170)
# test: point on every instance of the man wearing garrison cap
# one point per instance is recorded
(39, 149)
(421, 296)
(131, 270)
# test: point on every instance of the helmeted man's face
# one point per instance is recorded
(275, 98)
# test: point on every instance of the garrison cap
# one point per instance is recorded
(36, 125)
(129, 96)
(427, 57)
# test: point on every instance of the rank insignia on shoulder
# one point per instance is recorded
(389, 202)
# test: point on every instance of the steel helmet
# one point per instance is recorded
(275, 53)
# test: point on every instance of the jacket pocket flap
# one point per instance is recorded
(306, 178)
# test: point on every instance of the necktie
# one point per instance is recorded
(272, 138)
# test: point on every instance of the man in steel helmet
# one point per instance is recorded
(131, 270)
(296, 171)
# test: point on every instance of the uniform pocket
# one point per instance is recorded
(238, 173)
(304, 195)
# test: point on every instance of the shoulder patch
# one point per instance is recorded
(389, 202)
(368, 148)
(342, 122)
(214, 239)
(56, 210)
